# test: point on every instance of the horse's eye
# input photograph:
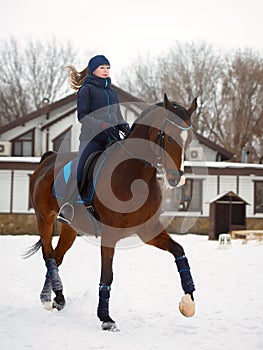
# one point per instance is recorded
(170, 139)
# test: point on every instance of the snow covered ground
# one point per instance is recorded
(145, 295)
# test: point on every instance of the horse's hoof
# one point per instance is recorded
(187, 306)
(58, 305)
(59, 301)
(109, 326)
(48, 305)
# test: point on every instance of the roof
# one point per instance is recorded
(227, 194)
(223, 168)
(123, 96)
(41, 111)
(224, 153)
(197, 168)
(223, 165)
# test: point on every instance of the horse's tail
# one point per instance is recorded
(45, 155)
(32, 250)
(35, 247)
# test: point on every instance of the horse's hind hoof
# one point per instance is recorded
(109, 326)
(58, 306)
(48, 305)
(59, 301)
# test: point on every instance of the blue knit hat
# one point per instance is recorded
(97, 61)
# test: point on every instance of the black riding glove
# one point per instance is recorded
(125, 128)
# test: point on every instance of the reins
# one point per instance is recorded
(161, 165)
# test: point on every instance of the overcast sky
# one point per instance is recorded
(123, 29)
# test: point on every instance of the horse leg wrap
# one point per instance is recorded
(52, 272)
(103, 307)
(45, 295)
(185, 275)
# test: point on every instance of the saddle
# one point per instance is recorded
(66, 188)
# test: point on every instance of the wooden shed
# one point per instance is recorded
(227, 213)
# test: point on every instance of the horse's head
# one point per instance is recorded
(173, 135)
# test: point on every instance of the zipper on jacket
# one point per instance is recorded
(108, 99)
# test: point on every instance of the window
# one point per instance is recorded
(62, 142)
(185, 198)
(258, 197)
(23, 145)
(191, 195)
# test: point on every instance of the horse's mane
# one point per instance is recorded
(47, 154)
(150, 109)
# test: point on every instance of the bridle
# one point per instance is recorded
(161, 164)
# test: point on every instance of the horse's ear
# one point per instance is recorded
(192, 107)
(167, 103)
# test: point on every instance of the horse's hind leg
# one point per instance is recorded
(165, 242)
(45, 230)
(56, 284)
(45, 295)
(52, 281)
(66, 239)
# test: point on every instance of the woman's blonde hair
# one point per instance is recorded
(76, 78)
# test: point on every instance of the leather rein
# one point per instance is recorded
(160, 139)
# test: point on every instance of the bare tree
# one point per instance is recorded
(142, 79)
(193, 70)
(13, 99)
(228, 87)
(184, 73)
(242, 95)
(31, 73)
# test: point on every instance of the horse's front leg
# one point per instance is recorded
(165, 242)
(106, 279)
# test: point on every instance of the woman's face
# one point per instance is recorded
(102, 71)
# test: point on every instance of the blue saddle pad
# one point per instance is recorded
(63, 177)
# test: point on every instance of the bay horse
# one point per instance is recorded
(127, 198)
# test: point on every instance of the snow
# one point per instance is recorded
(225, 165)
(144, 298)
(20, 159)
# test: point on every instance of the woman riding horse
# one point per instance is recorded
(128, 199)
(98, 112)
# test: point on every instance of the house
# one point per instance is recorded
(46, 128)
(208, 171)
(189, 208)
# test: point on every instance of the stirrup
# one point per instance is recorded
(64, 215)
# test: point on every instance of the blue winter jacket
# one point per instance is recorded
(98, 103)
